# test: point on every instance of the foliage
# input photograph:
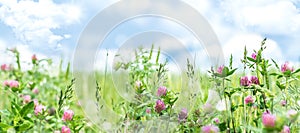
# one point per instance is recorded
(262, 96)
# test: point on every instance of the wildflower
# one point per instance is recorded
(283, 103)
(35, 91)
(207, 108)
(13, 84)
(160, 106)
(65, 129)
(220, 69)
(148, 111)
(268, 119)
(26, 99)
(68, 115)
(4, 67)
(138, 84)
(292, 114)
(249, 80)
(14, 50)
(253, 56)
(182, 116)
(245, 81)
(36, 102)
(6, 83)
(39, 109)
(285, 129)
(210, 129)
(33, 57)
(162, 91)
(254, 80)
(249, 99)
(216, 120)
(287, 67)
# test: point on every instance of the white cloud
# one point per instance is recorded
(25, 55)
(236, 45)
(244, 24)
(5, 58)
(267, 17)
(33, 22)
(247, 22)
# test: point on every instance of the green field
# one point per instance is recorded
(143, 96)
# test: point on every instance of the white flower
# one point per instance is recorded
(221, 105)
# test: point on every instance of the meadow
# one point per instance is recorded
(262, 96)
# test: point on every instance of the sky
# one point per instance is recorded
(51, 28)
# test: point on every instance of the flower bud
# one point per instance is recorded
(162, 91)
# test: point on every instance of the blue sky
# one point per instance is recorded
(51, 28)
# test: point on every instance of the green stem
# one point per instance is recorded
(228, 115)
(231, 113)
(257, 72)
(286, 92)
(245, 114)
(18, 61)
(263, 95)
(169, 116)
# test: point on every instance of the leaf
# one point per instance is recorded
(227, 79)
(151, 51)
(230, 62)
(4, 112)
(28, 119)
(279, 85)
(267, 130)
(174, 100)
(15, 108)
(267, 92)
(276, 65)
(234, 108)
(287, 73)
(27, 109)
(4, 126)
(231, 72)
(273, 74)
(251, 59)
(67, 71)
(298, 70)
(25, 126)
(222, 126)
(279, 76)
(218, 75)
(225, 71)
(142, 105)
(157, 57)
